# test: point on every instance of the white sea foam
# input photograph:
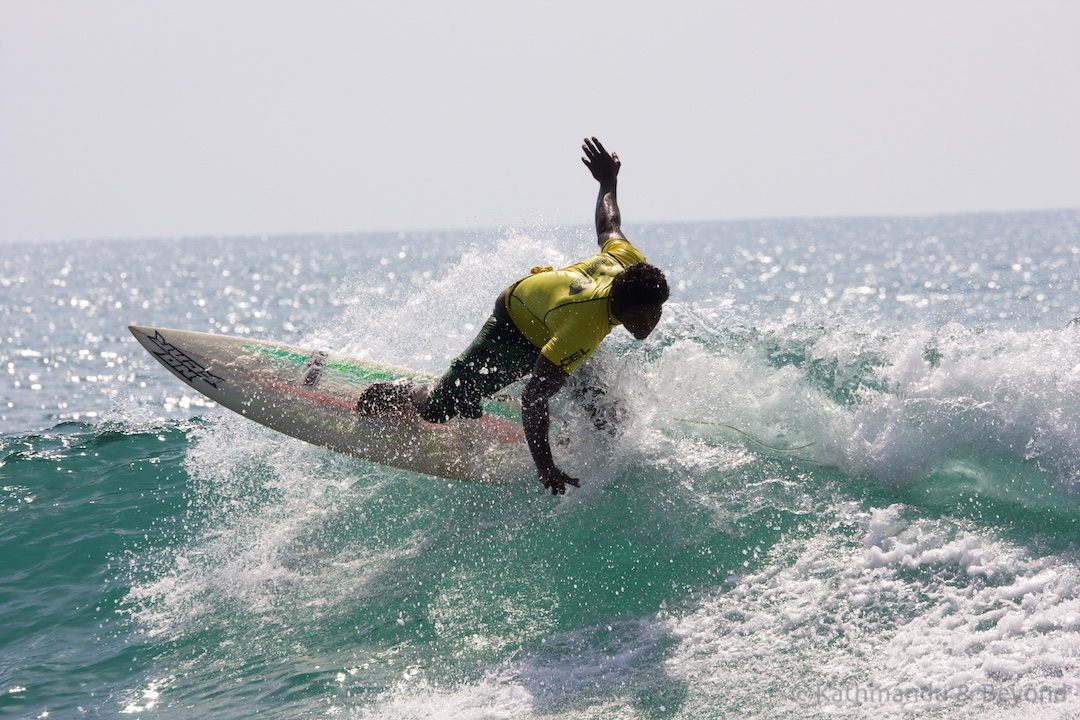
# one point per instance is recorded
(265, 501)
(1005, 394)
(607, 671)
(999, 407)
(492, 700)
(889, 611)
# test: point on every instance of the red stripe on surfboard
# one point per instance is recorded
(324, 399)
(501, 430)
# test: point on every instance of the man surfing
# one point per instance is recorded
(544, 325)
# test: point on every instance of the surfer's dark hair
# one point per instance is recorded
(640, 284)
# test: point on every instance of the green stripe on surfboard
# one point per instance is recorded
(367, 373)
(497, 405)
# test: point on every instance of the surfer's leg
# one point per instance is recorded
(498, 356)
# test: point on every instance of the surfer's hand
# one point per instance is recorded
(556, 480)
(604, 166)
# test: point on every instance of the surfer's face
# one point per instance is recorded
(639, 319)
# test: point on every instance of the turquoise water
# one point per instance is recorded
(845, 485)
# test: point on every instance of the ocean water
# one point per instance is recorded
(846, 483)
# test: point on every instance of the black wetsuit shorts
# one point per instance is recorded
(498, 356)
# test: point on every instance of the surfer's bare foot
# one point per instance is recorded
(386, 398)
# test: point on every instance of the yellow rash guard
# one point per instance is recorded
(567, 312)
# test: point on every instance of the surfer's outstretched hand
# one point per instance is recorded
(556, 480)
(604, 166)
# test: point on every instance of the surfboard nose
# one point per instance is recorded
(145, 335)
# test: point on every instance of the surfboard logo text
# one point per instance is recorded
(174, 359)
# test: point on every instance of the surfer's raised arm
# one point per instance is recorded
(604, 166)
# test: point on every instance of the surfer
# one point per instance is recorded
(544, 325)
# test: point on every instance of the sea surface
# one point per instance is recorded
(845, 484)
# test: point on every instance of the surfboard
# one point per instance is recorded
(311, 394)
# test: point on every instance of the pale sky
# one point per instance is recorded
(147, 119)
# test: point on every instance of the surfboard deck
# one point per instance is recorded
(311, 395)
